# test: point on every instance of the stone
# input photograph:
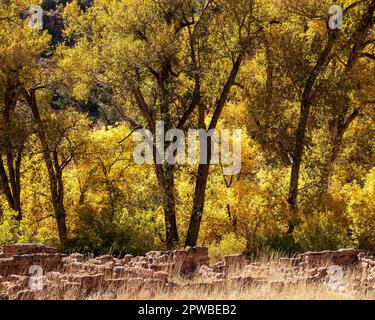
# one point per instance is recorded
(235, 262)
(127, 259)
(77, 256)
(119, 272)
(105, 259)
(344, 258)
(27, 248)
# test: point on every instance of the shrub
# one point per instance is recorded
(361, 210)
(9, 228)
(102, 233)
(322, 231)
(230, 244)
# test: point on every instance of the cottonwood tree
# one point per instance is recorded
(315, 80)
(28, 79)
(15, 130)
(308, 70)
(61, 138)
(176, 61)
(353, 94)
(20, 48)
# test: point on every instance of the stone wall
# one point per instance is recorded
(344, 258)
(9, 251)
(161, 270)
(17, 259)
(73, 272)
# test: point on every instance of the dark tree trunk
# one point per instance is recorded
(204, 169)
(54, 171)
(198, 204)
(340, 126)
(58, 205)
(307, 99)
(164, 174)
(167, 184)
(5, 185)
(10, 176)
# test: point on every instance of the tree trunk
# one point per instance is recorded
(165, 176)
(170, 207)
(342, 120)
(300, 136)
(164, 173)
(340, 126)
(54, 172)
(5, 185)
(10, 178)
(204, 169)
(198, 203)
(58, 205)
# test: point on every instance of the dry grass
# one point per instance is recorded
(265, 291)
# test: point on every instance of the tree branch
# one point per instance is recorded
(144, 109)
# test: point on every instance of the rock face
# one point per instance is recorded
(74, 274)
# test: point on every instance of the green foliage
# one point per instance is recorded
(102, 233)
(322, 231)
(361, 209)
(13, 231)
(282, 243)
(230, 244)
(9, 228)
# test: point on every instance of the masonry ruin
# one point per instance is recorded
(164, 270)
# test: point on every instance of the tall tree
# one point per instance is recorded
(20, 47)
(308, 72)
(361, 44)
(172, 59)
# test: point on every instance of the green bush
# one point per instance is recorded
(123, 233)
(283, 244)
(322, 231)
(230, 244)
(9, 228)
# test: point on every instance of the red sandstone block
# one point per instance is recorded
(235, 262)
(76, 256)
(127, 259)
(27, 248)
(119, 272)
(105, 259)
